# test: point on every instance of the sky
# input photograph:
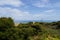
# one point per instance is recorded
(30, 9)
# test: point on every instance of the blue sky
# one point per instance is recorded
(30, 9)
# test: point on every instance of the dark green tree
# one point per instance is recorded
(6, 23)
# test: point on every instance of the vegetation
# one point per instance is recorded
(29, 31)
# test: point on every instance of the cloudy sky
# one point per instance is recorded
(30, 9)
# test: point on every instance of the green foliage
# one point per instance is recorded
(29, 31)
(6, 23)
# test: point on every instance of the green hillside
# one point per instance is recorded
(28, 31)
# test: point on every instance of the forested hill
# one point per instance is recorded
(29, 31)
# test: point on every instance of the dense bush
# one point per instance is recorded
(28, 31)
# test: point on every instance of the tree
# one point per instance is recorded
(6, 23)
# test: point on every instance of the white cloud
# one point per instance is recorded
(22, 15)
(45, 3)
(46, 17)
(41, 3)
(49, 11)
(14, 13)
(15, 3)
(45, 0)
(38, 5)
(57, 4)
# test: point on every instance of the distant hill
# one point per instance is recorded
(24, 21)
